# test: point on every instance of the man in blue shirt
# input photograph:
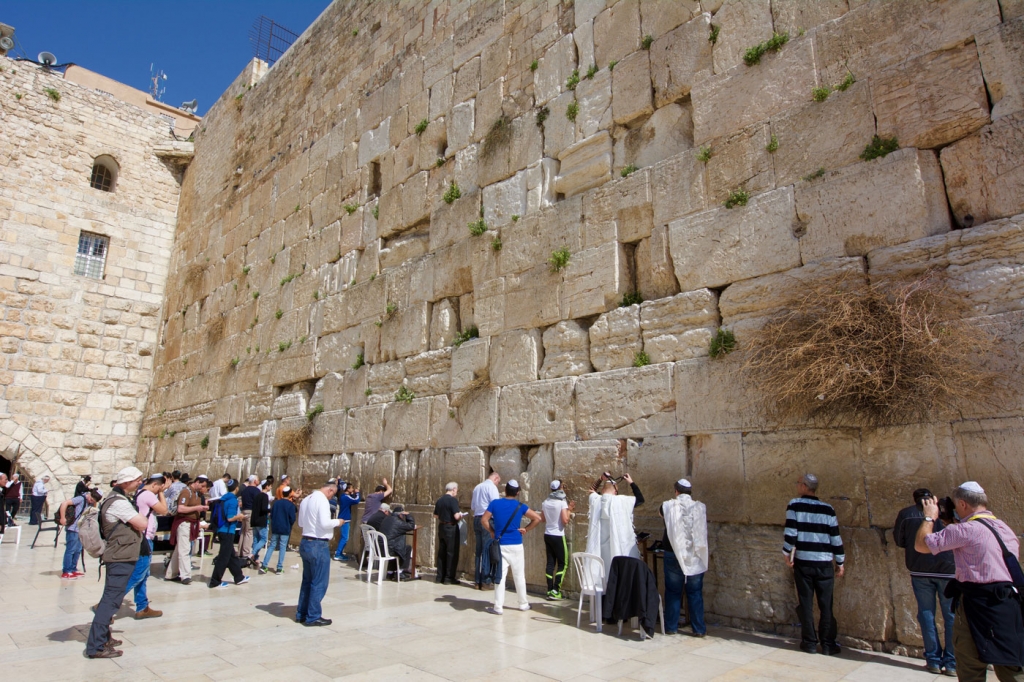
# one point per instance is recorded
(503, 518)
(346, 501)
(228, 517)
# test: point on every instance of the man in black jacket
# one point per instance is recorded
(394, 527)
(929, 575)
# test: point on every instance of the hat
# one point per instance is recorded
(397, 509)
(200, 477)
(556, 484)
(285, 490)
(385, 507)
(684, 483)
(184, 478)
(512, 483)
(972, 487)
(332, 481)
(156, 477)
(127, 475)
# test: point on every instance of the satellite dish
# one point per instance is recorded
(46, 58)
(6, 43)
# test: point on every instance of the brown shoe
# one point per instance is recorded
(106, 653)
(111, 643)
(148, 613)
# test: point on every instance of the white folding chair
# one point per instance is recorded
(590, 574)
(363, 528)
(379, 552)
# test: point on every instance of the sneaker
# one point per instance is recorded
(175, 579)
(949, 672)
(263, 570)
(78, 574)
(279, 571)
(496, 611)
(243, 581)
(550, 596)
(557, 594)
(933, 669)
(68, 576)
(186, 581)
(106, 653)
(524, 607)
(223, 584)
(335, 558)
(148, 612)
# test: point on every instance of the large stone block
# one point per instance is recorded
(931, 100)
(566, 350)
(405, 332)
(489, 306)
(559, 132)
(364, 428)
(429, 373)
(615, 338)
(679, 327)
(374, 143)
(724, 245)
(679, 188)
(407, 477)
(665, 134)
(984, 181)
(621, 210)
(701, 404)
(449, 222)
(594, 281)
(505, 199)
(337, 352)
(594, 96)
(532, 299)
(829, 134)
(741, 161)
(553, 69)
(626, 403)
(681, 58)
(879, 203)
(578, 464)
(470, 364)
(717, 475)
(658, 18)
(407, 425)
(617, 31)
(1001, 52)
(744, 95)
(528, 242)
(508, 462)
(516, 357)
(444, 325)
(472, 419)
(584, 165)
(466, 466)
(985, 264)
(538, 412)
(632, 96)
(743, 23)
(357, 304)
(328, 433)
(452, 270)
(792, 16)
(383, 379)
(993, 453)
(656, 463)
(655, 274)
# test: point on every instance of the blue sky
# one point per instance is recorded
(200, 44)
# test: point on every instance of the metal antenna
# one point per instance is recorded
(155, 88)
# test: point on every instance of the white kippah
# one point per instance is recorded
(972, 487)
(684, 483)
(556, 484)
(513, 483)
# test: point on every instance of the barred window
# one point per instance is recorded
(92, 255)
(104, 173)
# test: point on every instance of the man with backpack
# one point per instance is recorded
(121, 529)
(225, 519)
(150, 502)
(185, 530)
(72, 543)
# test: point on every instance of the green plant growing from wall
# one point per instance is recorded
(279, 313)
(404, 395)
(421, 127)
(774, 44)
(573, 80)
(498, 137)
(515, 217)
(559, 259)
(737, 197)
(312, 413)
(573, 110)
(351, 208)
(234, 362)
(879, 147)
(303, 338)
(205, 442)
(846, 82)
(713, 36)
(773, 145)
(542, 115)
(316, 295)
(246, 269)
(466, 335)
(273, 259)
(592, 71)
(298, 208)
(632, 298)
(628, 170)
(477, 228)
(284, 345)
(647, 41)
(184, 361)
(821, 94)
(439, 162)
(814, 176)
(496, 243)
(704, 154)
(453, 192)
(19, 95)
(355, 32)
(722, 343)
(641, 359)
(612, 63)
(376, 212)
(359, 362)
(534, 65)
(368, 391)
(390, 309)
(289, 278)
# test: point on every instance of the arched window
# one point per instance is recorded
(104, 173)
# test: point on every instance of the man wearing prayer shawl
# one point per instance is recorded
(611, 531)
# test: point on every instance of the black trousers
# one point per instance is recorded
(447, 551)
(557, 551)
(36, 511)
(114, 589)
(226, 560)
(3, 514)
(816, 580)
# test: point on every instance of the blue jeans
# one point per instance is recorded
(316, 571)
(342, 540)
(675, 583)
(137, 581)
(481, 536)
(278, 541)
(72, 551)
(259, 540)
(926, 590)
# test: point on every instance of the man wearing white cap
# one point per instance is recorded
(122, 527)
(686, 557)
(987, 627)
(556, 514)
(503, 519)
(610, 532)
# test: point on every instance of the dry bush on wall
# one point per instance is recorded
(294, 441)
(880, 355)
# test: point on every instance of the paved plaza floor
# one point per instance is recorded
(413, 631)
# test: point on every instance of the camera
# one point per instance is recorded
(946, 509)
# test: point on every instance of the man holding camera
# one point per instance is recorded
(929, 576)
(988, 628)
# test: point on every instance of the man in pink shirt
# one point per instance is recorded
(150, 502)
(988, 626)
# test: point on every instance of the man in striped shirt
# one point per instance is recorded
(811, 544)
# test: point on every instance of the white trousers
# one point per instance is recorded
(181, 561)
(511, 558)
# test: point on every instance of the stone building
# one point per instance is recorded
(88, 196)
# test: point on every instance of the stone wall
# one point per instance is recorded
(76, 354)
(327, 260)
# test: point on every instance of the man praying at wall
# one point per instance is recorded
(611, 531)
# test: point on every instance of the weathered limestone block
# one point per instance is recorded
(407, 425)
(516, 357)
(415, 206)
(404, 248)
(595, 281)
(444, 325)
(566, 351)
(681, 58)
(1001, 51)
(931, 100)
(992, 450)
(489, 306)
(461, 125)
(359, 303)
(658, 18)
(617, 31)
(680, 327)
(383, 379)
(665, 134)
(405, 332)
(503, 200)
(717, 465)
(586, 164)
(773, 460)
(433, 142)
(537, 412)
(512, 151)
(790, 16)
(984, 181)
(429, 475)
(407, 476)
(746, 305)
(291, 404)
(829, 134)
(470, 364)
(655, 275)
(898, 460)
(466, 466)
(553, 70)
(534, 298)
(374, 143)
(631, 88)
(724, 245)
(658, 461)
(701, 404)
(540, 185)
(364, 428)
(471, 420)
(620, 210)
(441, 96)
(337, 352)
(583, 36)
(508, 462)
(984, 264)
(482, 25)
(879, 34)
(328, 391)
(679, 188)
(429, 373)
(559, 132)
(741, 161)
(626, 403)
(528, 242)
(595, 100)
(879, 203)
(452, 270)
(615, 338)
(328, 433)
(578, 464)
(744, 23)
(866, 553)
(743, 95)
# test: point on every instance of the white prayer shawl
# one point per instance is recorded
(611, 528)
(686, 521)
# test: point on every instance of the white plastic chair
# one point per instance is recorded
(635, 622)
(12, 529)
(591, 576)
(363, 527)
(379, 553)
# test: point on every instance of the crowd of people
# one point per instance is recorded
(962, 560)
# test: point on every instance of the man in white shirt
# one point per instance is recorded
(317, 531)
(686, 557)
(483, 495)
(217, 491)
(39, 493)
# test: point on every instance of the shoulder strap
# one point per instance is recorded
(1010, 561)
(507, 523)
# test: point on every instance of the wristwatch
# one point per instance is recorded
(928, 518)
